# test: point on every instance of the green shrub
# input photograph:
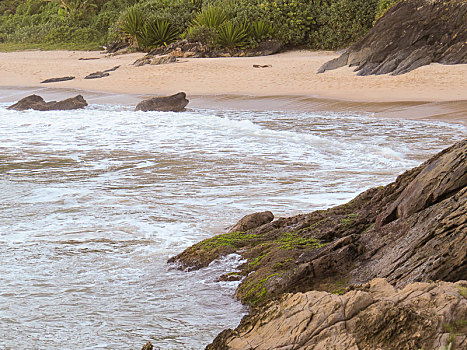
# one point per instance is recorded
(157, 33)
(261, 30)
(232, 35)
(179, 13)
(210, 17)
(342, 22)
(132, 22)
(201, 34)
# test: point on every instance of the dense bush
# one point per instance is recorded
(324, 24)
(341, 22)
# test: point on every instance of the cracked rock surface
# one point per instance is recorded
(372, 316)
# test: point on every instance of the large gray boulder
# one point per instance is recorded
(37, 103)
(411, 34)
(173, 103)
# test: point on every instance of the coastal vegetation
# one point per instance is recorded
(317, 24)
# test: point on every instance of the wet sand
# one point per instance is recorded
(291, 83)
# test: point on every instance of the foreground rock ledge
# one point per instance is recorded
(412, 230)
(37, 103)
(412, 34)
(373, 316)
(173, 103)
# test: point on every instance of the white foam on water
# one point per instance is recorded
(93, 203)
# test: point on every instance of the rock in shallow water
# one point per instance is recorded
(412, 230)
(37, 103)
(173, 103)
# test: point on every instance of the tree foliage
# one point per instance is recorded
(324, 24)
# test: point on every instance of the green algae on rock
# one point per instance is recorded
(373, 235)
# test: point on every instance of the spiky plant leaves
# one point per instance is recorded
(132, 23)
(157, 33)
(233, 35)
(210, 17)
(261, 30)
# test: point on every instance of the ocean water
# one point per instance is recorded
(94, 202)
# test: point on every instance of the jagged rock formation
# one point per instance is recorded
(412, 34)
(373, 316)
(412, 230)
(37, 102)
(173, 103)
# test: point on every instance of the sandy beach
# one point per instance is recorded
(290, 83)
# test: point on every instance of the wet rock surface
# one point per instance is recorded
(173, 103)
(412, 230)
(372, 316)
(37, 102)
(412, 34)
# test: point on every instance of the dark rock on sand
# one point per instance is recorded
(412, 34)
(37, 102)
(97, 75)
(372, 316)
(252, 221)
(116, 46)
(412, 230)
(55, 80)
(113, 69)
(173, 103)
(265, 48)
(155, 60)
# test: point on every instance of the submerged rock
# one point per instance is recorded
(173, 103)
(412, 34)
(37, 103)
(373, 316)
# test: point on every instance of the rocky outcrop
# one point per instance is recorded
(251, 221)
(155, 60)
(37, 102)
(412, 230)
(185, 49)
(412, 34)
(173, 103)
(372, 316)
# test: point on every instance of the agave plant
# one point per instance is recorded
(157, 33)
(210, 17)
(261, 30)
(132, 23)
(232, 34)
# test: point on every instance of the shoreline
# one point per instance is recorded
(434, 92)
(446, 111)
